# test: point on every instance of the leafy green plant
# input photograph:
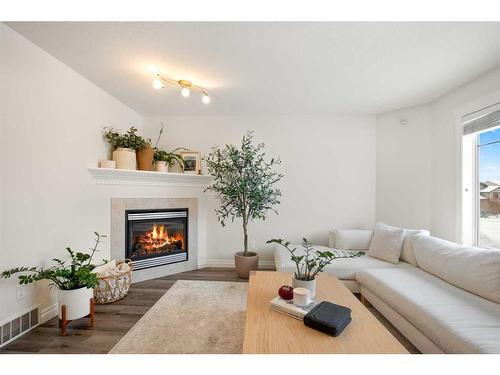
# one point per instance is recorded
(313, 261)
(128, 140)
(66, 276)
(169, 157)
(244, 181)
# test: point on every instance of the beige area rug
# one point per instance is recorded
(202, 317)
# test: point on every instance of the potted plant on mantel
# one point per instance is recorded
(311, 262)
(244, 181)
(125, 147)
(75, 280)
(164, 159)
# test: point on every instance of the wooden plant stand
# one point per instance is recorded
(63, 323)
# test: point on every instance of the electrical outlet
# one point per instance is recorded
(252, 245)
(20, 292)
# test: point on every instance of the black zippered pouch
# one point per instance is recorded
(328, 318)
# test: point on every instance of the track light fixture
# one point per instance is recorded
(160, 82)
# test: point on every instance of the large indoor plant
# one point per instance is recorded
(125, 146)
(245, 183)
(311, 262)
(74, 279)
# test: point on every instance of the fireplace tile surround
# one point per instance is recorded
(118, 232)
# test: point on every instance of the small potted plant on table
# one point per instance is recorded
(311, 262)
(244, 181)
(75, 281)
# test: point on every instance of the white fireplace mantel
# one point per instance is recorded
(107, 176)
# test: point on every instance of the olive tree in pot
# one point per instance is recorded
(75, 280)
(245, 183)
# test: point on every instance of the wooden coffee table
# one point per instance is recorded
(267, 331)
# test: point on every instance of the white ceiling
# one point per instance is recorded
(273, 68)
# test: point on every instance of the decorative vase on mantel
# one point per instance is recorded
(308, 284)
(125, 158)
(145, 156)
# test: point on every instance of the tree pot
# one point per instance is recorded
(308, 284)
(145, 156)
(77, 302)
(125, 158)
(160, 166)
(245, 264)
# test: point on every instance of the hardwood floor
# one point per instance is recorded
(114, 320)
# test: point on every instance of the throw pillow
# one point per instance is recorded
(386, 243)
(407, 254)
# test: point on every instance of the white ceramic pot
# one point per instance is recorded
(161, 166)
(311, 285)
(77, 302)
(125, 158)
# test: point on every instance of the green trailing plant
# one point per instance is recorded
(312, 261)
(244, 181)
(169, 157)
(130, 139)
(75, 274)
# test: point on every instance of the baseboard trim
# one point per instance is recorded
(49, 312)
(226, 263)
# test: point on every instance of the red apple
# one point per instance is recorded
(286, 292)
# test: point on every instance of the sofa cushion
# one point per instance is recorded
(407, 253)
(351, 239)
(344, 269)
(474, 269)
(455, 320)
(386, 243)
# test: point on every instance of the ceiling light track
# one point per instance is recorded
(186, 86)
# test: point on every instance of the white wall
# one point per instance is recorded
(50, 124)
(329, 167)
(445, 168)
(418, 165)
(404, 168)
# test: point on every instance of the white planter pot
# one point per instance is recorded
(125, 158)
(311, 285)
(161, 166)
(77, 302)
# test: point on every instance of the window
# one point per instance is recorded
(481, 178)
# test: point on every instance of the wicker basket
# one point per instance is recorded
(115, 287)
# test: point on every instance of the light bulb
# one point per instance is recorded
(185, 92)
(157, 84)
(205, 99)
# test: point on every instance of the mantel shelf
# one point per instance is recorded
(107, 176)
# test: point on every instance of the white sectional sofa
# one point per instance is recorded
(447, 302)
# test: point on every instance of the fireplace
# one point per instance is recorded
(156, 237)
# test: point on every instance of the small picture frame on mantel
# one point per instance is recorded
(192, 162)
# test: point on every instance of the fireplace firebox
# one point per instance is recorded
(156, 237)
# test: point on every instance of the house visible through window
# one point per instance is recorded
(481, 178)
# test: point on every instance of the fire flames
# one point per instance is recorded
(159, 238)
